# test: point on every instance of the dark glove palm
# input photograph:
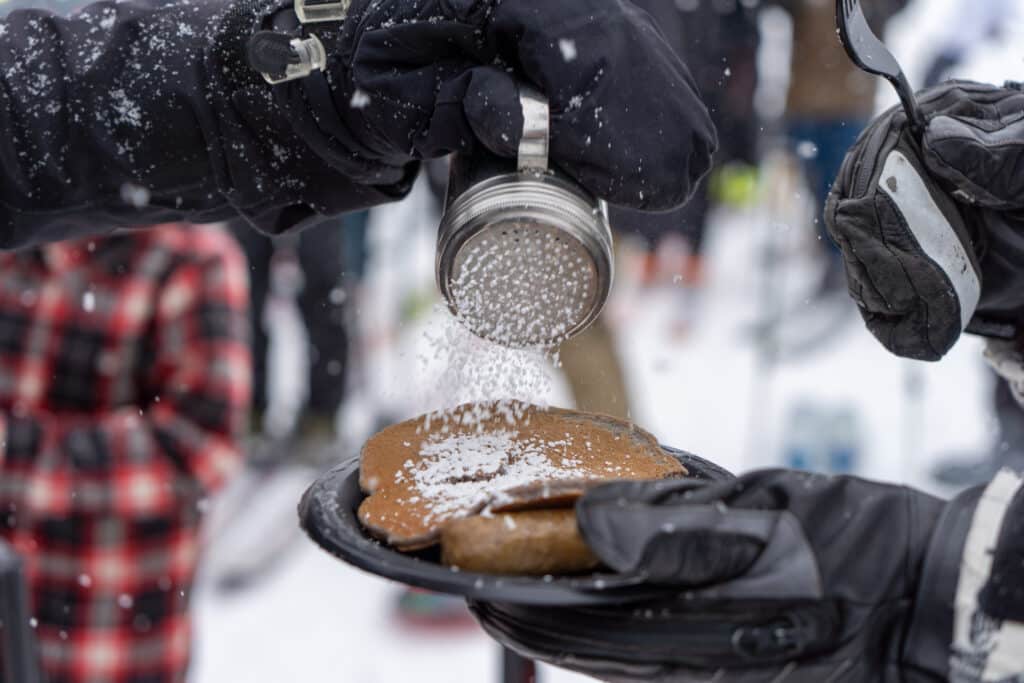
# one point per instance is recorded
(415, 79)
(776, 576)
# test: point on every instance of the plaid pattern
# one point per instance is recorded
(124, 378)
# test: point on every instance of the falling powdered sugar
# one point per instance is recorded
(498, 380)
(517, 294)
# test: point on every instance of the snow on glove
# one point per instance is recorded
(415, 79)
(777, 576)
(931, 233)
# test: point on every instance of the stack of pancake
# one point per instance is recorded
(494, 484)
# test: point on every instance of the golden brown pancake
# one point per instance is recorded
(423, 473)
(531, 543)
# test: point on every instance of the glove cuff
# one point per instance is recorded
(950, 635)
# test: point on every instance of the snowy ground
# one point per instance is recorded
(313, 619)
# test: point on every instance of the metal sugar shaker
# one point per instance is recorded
(524, 253)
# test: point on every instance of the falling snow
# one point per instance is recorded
(126, 110)
(360, 100)
(568, 49)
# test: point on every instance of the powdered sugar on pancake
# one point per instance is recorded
(422, 473)
(459, 473)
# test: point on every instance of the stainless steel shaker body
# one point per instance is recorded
(524, 254)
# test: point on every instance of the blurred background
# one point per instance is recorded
(729, 334)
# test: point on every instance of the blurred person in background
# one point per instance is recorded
(310, 267)
(718, 41)
(304, 289)
(830, 101)
(124, 379)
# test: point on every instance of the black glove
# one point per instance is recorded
(775, 576)
(416, 79)
(933, 233)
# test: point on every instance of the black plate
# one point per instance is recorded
(328, 514)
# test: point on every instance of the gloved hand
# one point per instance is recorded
(416, 79)
(933, 234)
(777, 576)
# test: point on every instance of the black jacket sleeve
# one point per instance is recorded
(132, 114)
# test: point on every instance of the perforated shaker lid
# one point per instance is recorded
(525, 259)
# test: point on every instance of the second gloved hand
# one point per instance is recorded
(931, 231)
(777, 576)
(415, 79)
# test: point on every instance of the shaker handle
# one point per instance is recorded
(534, 145)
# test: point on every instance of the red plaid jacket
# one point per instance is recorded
(124, 378)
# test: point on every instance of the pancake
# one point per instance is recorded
(533, 543)
(494, 457)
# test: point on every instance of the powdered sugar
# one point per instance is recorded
(463, 473)
(499, 381)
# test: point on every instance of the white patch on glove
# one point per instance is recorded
(932, 230)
